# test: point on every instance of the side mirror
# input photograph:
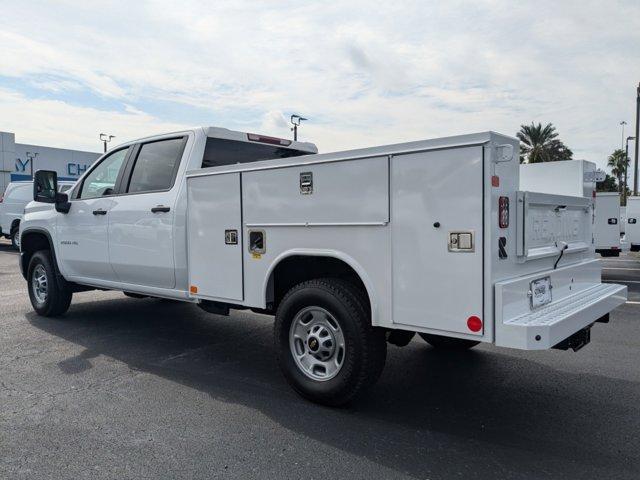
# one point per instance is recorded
(45, 186)
(63, 205)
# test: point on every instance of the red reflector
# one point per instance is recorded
(503, 212)
(474, 323)
(495, 181)
(270, 140)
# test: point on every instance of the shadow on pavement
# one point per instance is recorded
(431, 414)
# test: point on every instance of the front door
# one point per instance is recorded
(141, 221)
(82, 233)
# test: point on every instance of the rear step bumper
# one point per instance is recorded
(548, 326)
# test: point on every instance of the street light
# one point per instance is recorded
(32, 159)
(295, 121)
(622, 123)
(626, 168)
(104, 138)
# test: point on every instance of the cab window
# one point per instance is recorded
(156, 165)
(101, 180)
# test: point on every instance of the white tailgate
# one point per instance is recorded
(215, 263)
(544, 221)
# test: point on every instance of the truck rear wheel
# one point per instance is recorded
(448, 343)
(47, 297)
(327, 349)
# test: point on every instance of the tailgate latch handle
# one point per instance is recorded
(563, 246)
(560, 208)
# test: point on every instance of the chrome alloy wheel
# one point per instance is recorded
(39, 283)
(317, 343)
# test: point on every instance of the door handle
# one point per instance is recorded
(160, 209)
(100, 211)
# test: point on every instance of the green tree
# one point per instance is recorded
(609, 184)
(618, 161)
(541, 144)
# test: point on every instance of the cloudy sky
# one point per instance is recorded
(365, 73)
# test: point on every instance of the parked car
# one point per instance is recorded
(12, 203)
(349, 250)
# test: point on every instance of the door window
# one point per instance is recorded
(156, 166)
(102, 179)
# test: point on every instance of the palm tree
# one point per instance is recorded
(618, 161)
(541, 144)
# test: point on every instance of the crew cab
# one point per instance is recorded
(349, 250)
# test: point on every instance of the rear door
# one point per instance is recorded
(437, 246)
(141, 220)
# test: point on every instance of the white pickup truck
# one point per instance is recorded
(349, 250)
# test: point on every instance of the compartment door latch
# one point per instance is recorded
(462, 241)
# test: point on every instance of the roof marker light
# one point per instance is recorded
(270, 140)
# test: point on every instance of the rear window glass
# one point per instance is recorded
(220, 151)
(156, 165)
(21, 192)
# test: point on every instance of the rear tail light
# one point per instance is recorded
(503, 212)
(270, 140)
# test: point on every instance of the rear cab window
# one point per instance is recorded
(220, 151)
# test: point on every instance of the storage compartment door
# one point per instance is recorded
(437, 195)
(215, 237)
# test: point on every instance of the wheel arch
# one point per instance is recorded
(308, 264)
(31, 241)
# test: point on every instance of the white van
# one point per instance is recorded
(606, 231)
(633, 223)
(12, 204)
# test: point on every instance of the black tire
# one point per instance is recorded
(57, 299)
(448, 343)
(15, 231)
(365, 346)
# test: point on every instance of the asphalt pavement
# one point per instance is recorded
(146, 388)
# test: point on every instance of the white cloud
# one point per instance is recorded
(363, 73)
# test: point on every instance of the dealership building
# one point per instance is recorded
(18, 161)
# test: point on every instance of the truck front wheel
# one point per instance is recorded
(326, 346)
(47, 297)
(448, 343)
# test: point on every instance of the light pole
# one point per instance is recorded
(32, 160)
(626, 168)
(295, 121)
(635, 154)
(622, 123)
(104, 138)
